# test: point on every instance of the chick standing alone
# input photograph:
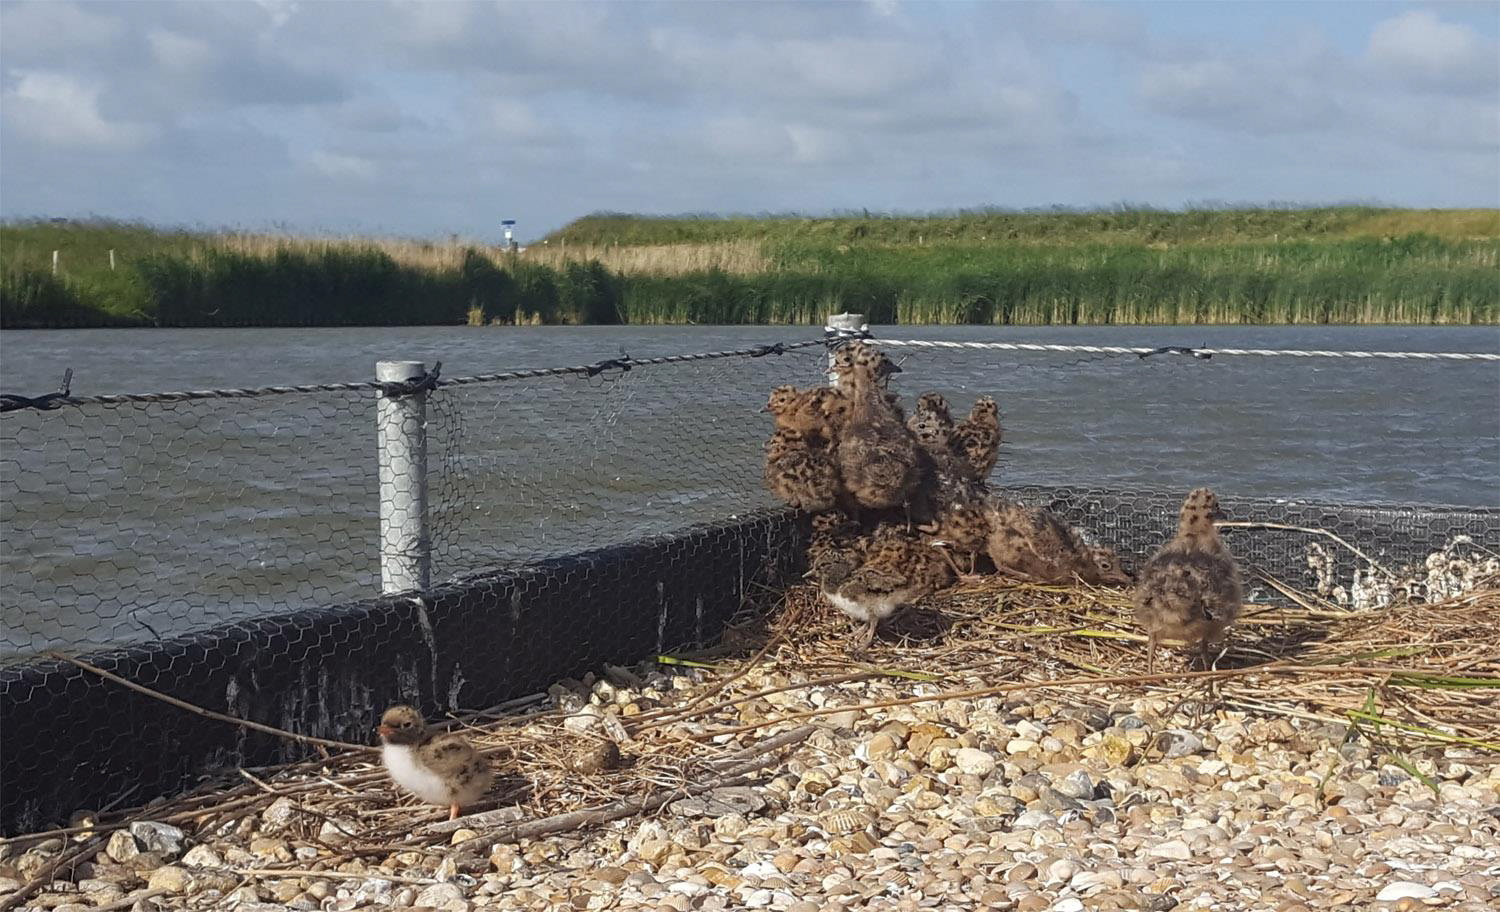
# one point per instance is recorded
(1190, 589)
(440, 769)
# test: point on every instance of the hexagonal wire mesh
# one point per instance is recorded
(136, 520)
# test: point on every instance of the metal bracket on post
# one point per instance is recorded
(840, 325)
(401, 429)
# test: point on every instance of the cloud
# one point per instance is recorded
(1424, 52)
(342, 167)
(59, 109)
(1238, 95)
(281, 111)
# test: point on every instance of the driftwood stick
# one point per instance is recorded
(615, 810)
(207, 713)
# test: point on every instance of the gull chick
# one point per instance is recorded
(877, 457)
(1190, 589)
(441, 769)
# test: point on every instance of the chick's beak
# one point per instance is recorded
(384, 731)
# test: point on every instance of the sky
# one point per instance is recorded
(436, 118)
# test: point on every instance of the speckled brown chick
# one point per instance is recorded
(803, 411)
(1034, 545)
(1190, 589)
(897, 570)
(962, 530)
(442, 769)
(1111, 572)
(800, 471)
(931, 424)
(877, 457)
(976, 439)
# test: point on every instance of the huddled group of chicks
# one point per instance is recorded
(902, 509)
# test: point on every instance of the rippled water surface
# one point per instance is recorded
(123, 522)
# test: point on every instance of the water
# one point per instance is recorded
(127, 523)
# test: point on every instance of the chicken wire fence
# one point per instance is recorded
(129, 519)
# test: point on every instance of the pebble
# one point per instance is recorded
(1178, 743)
(171, 879)
(974, 762)
(440, 895)
(122, 846)
(161, 838)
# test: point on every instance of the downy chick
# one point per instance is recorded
(799, 462)
(976, 439)
(1111, 572)
(877, 457)
(931, 424)
(1190, 589)
(962, 530)
(803, 411)
(897, 571)
(801, 472)
(1034, 545)
(444, 769)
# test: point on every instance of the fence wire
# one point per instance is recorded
(130, 518)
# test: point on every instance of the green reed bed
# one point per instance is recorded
(1121, 225)
(1411, 280)
(1255, 266)
(199, 280)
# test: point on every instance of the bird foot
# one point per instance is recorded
(452, 812)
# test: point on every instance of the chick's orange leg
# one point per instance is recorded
(452, 812)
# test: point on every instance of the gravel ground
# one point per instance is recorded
(1028, 804)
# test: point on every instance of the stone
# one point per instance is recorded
(881, 747)
(122, 846)
(440, 895)
(202, 856)
(1076, 784)
(1178, 742)
(172, 879)
(974, 762)
(1111, 751)
(161, 838)
(280, 815)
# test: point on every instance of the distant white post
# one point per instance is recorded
(111, 259)
(839, 324)
(401, 429)
(54, 262)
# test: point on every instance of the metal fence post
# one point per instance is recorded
(401, 428)
(837, 325)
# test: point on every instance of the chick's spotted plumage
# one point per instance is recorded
(1190, 590)
(877, 457)
(976, 439)
(872, 579)
(441, 769)
(1034, 545)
